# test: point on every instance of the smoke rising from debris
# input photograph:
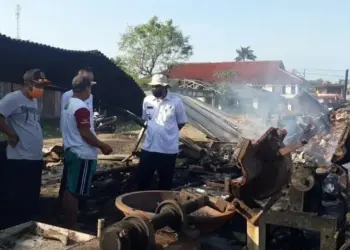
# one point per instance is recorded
(303, 117)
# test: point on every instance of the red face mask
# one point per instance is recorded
(36, 92)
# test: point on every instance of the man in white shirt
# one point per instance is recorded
(80, 148)
(68, 94)
(165, 115)
(87, 71)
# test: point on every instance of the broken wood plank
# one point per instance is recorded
(113, 157)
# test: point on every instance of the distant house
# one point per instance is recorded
(337, 89)
(268, 75)
(114, 86)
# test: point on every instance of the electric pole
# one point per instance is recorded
(18, 15)
(346, 83)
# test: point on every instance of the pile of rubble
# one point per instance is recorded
(328, 145)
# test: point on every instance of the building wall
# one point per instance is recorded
(50, 104)
(286, 90)
(330, 90)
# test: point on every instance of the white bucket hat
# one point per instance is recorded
(159, 79)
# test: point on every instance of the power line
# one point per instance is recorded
(318, 74)
(329, 70)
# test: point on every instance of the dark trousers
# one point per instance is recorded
(2, 182)
(22, 191)
(149, 163)
(63, 182)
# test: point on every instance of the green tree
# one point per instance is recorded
(244, 54)
(153, 47)
(142, 82)
(119, 62)
(223, 86)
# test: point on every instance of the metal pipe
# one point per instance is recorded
(165, 218)
(132, 234)
(169, 216)
(100, 227)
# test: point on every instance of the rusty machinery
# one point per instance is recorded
(137, 232)
(315, 200)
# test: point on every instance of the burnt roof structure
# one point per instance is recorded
(114, 89)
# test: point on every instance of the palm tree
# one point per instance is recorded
(245, 53)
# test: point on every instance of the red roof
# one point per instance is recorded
(255, 72)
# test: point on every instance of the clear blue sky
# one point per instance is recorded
(311, 34)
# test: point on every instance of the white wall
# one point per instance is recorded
(279, 89)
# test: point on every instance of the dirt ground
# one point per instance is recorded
(122, 143)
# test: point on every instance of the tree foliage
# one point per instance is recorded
(153, 47)
(223, 87)
(119, 62)
(244, 54)
(142, 82)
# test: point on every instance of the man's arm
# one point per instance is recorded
(180, 113)
(144, 115)
(7, 105)
(82, 117)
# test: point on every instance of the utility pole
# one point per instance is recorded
(346, 83)
(18, 15)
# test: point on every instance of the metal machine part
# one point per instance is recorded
(302, 178)
(317, 202)
(137, 232)
(266, 166)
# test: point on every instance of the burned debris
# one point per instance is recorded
(283, 184)
(268, 183)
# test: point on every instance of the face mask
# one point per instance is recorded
(157, 92)
(36, 93)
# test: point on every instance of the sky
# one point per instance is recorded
(310, 35)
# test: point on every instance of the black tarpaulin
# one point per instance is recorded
(114, 88)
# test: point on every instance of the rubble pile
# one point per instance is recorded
(328, 145)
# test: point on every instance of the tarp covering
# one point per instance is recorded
(114, 88)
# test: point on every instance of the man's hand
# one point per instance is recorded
(12, 140)
(106, 149)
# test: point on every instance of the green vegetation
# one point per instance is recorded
(151, 48)
(244, 54)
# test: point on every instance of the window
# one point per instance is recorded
(292, 89)
(277, 89)
(283, 90)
